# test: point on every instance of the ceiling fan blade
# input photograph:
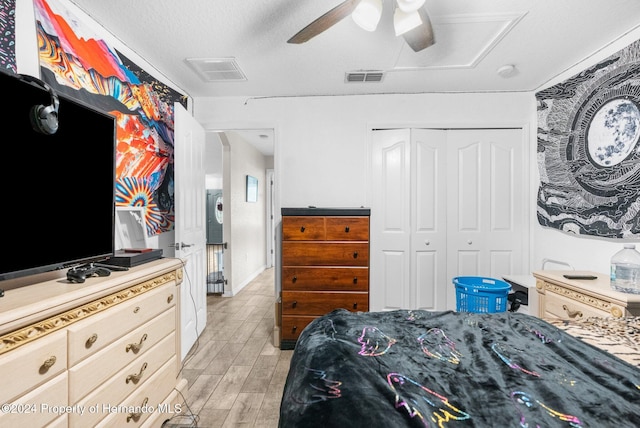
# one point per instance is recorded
(422, 36)
(325, 22)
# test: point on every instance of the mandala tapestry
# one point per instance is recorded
(8, 35)
(588, 151)
(76, 62)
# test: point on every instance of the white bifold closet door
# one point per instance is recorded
(445, 202)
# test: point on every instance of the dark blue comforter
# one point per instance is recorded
(450, 369)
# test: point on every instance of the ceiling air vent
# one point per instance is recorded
(217, 69)
(364, 76)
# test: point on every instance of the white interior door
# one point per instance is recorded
(485, 208)
(190, 225)
(444, 203)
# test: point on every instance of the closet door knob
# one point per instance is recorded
(427, 242)
(469, 242)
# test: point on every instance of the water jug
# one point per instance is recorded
(625, 270)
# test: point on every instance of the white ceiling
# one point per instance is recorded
(474, 38)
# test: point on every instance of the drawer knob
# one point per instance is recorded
(294, 279)
(135, 378)
(355, 279)
(294, 328)
(91, 340)
(346, 229)
(135, 347)
(572, 314)
(136, 309)
(294, 303)
(48, 363)
(355, 306)
(302, 229)
(355, 254)
(170, 298)
(135, 417)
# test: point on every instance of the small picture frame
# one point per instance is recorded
(252, 189)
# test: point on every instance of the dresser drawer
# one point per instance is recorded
(325, 254)
(562, 307)
(302, 228)
(320, 303)
(38, 407)
(145, 401)
(325, 278)
(125, 382)
(347, 228)
(88, 336)
(32, 364)
(292, 326)
(84, 377)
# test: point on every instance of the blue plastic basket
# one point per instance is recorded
(478, 294)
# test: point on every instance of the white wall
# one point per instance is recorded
(244, 222)
(322, 156)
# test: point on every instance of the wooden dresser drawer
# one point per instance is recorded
(39, 407)
(32, 364)
(320, 303)
(89, 336)
(302, 228)
(145, 401)
(347, 228)
(325, 254)
(125, 382)
(292, 326)
(565, 308)
(325, 278)
(84, 378)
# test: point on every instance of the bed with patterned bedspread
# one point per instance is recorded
(455, 369)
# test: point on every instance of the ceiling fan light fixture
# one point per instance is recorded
(367, 14)
(410, 5)
(404, 22)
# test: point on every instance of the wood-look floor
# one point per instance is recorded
(236, 375)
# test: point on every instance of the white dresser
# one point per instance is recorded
(560, 297)
(102, 353)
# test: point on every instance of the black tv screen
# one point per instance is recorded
(57, 189)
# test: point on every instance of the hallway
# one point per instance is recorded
(235, 374)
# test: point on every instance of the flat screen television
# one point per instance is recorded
(57, 189)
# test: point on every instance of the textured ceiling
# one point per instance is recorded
(474, 38)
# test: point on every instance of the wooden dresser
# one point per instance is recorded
(564, 298)
(102, 353)
(325, 265)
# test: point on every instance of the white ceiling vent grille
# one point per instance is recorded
(364, 76)
(217, 69)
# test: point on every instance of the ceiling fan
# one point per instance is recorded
(410, 20)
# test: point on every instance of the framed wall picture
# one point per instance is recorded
(252, 189)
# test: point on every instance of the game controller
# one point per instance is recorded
(80, 273)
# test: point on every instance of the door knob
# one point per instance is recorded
(469, 242)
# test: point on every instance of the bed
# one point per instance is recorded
(458, 369)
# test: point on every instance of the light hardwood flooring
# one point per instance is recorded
(236, 375)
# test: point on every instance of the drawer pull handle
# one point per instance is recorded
(135, 378)
(48, 363)
(355, 254)
(302, 229)
(136, 310)
(135, 417)
(572, 314)
(346, 229)
(135, 347)
(170, 298)
(91, 340)
(355, 279)
(355, 306)
(294, 304)
(294, 279)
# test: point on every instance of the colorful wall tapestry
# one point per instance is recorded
(76, 62)
(8, 35)
(588, 151)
